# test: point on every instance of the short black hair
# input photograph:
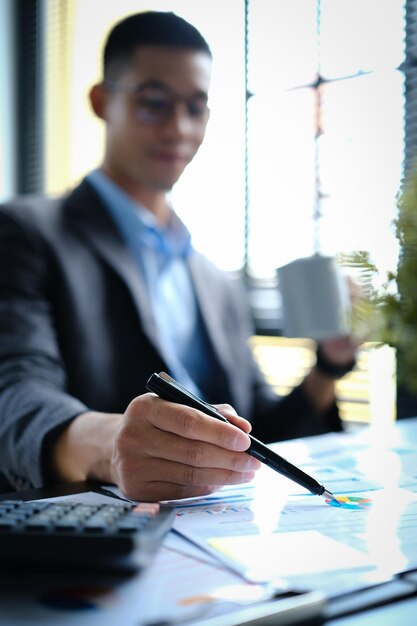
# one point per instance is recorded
(158, 28)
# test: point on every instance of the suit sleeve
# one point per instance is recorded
(33, 397)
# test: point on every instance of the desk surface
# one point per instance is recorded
(183, 569)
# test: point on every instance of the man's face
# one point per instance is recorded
(156, 117)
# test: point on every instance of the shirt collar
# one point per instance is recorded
(136, 223)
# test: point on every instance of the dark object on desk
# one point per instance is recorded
(69, 534)
(169, 389)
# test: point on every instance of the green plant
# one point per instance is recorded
(388, 313)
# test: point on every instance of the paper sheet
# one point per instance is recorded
(282, 555)
(350, 548)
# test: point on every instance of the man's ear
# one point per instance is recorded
(98, 100)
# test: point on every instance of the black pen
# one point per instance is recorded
(169, 389)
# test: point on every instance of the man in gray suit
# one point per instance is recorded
(102, 287)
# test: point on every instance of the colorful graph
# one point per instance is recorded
(351, 502)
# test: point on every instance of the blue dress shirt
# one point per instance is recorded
(160, 253)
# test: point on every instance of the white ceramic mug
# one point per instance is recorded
(315, 298)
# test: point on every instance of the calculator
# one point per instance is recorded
(73, 533)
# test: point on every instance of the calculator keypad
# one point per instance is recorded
(71, 532)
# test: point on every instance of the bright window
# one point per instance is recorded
(325, 129)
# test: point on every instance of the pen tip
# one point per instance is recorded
(329, 496)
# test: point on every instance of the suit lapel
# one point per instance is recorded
(88, 214)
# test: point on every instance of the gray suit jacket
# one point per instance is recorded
(77, 333)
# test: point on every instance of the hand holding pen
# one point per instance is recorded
(169, 389)
(167, 451)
